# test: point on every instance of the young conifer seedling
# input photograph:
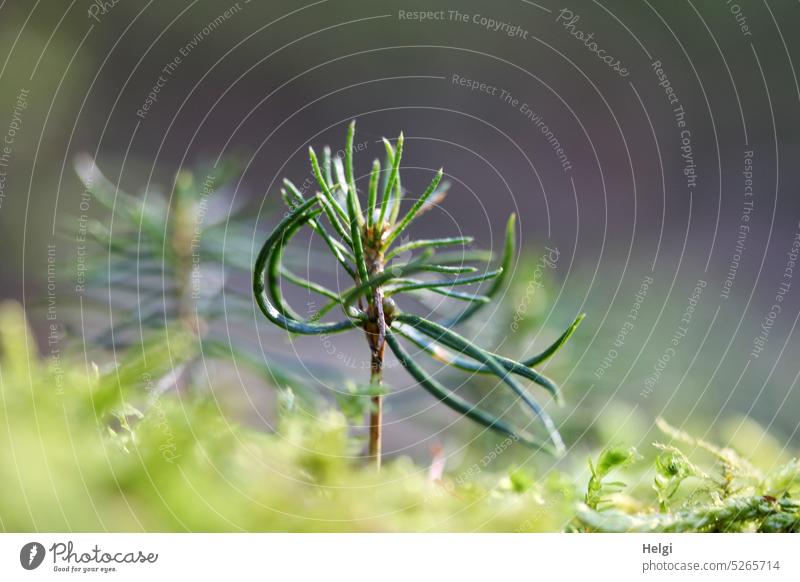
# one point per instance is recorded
(369, 245)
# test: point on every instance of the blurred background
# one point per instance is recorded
(648, 149)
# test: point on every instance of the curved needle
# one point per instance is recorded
(453, 359)
(298, 215)
(455, 402)
(460, 344)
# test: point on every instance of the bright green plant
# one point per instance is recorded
(368, 244)
(732, 495)
(599, 491)
(672, 468)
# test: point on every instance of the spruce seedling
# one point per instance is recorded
(370, 247)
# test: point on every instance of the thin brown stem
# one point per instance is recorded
(376, 337)
(376, 430)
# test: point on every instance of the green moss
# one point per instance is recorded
(176, 462)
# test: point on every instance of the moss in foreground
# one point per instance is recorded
(84, 448)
